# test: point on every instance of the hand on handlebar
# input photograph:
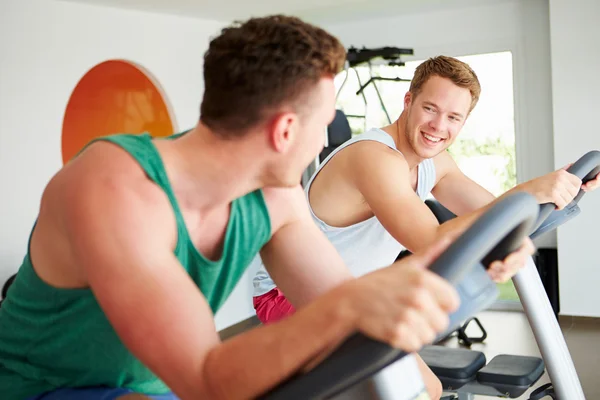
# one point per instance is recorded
(592, 184)
(405, 305)
(502, 271)
(559, 187)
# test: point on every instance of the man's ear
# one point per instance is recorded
(408, 99)
(282, 131)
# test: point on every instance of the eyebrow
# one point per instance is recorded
(429, 103)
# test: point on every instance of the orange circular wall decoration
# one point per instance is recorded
(115, 96)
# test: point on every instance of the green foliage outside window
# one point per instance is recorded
(507, 177)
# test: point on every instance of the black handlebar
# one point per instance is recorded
(586, 169)
(500, 229)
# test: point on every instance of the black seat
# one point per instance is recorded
(456, 367)
(511, 374)
(453, 367)
(338, 132)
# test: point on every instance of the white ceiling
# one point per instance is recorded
(313, 10)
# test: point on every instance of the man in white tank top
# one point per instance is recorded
(368, 195)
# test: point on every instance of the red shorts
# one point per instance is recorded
(272, 306)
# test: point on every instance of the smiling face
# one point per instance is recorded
(435, 115)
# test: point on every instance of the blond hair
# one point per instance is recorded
(458, 72)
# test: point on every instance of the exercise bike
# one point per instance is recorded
(362, 368)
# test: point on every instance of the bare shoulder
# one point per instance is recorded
(369, 151)
(365, 159)
(285, 205)
(104, 185)
(97, 197)
(101, 172)
(374, 162)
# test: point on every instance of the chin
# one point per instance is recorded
(428, 153)
(422, 152)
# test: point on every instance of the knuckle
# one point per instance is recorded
(419, 298)
(443, 322)
(419, 280)
(391, 336)
(555, 193)
(401, 318)
(401, 338)
(431, 336)
(454, 301)
(410, 316)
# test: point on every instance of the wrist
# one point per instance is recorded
(521, 187)
(525, 187)
(340, 308)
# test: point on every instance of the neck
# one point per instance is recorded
(208, 172)
(398, 132)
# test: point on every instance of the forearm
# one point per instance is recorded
(457, 225)
(251, 363)
(461, 223)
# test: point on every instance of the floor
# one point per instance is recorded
(509, 333)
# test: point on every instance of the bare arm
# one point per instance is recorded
(299, 257)
(383, 179)
(558, 187)
(455, 191)
(126, 252)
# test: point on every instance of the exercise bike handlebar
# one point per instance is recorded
(586, 169)
(500, 229)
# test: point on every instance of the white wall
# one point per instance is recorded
(45, 48)
(575, 38)
(520, 27)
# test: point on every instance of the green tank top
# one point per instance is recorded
(52, 338)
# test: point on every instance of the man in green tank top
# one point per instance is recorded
(139, 241)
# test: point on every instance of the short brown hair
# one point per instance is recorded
(458, 72)
(253, 68)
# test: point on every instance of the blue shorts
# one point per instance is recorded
(95, 393)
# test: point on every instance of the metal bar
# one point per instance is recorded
(364, 98)
(356, 116)
(548, 335)
(373, 79)
(379, 78)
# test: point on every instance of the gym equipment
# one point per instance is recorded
(499, 231)
(7, 284)
(339, 130)
(390, 56)
(364, 369)
(586, 169)
(465, 372)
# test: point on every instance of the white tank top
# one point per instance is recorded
(367, 245)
